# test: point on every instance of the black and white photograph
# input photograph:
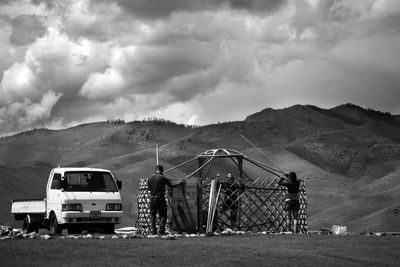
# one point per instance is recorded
(199, 132)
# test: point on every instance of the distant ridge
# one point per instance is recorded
(348, 155)
(362, 115)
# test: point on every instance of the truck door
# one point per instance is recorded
(54, 195)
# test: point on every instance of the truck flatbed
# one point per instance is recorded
(23, 206)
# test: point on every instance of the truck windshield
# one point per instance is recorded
(90, 181)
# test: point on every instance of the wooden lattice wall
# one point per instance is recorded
(258, 206)
(143, 223)
(144, 218)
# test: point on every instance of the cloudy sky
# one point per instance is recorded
(197, 62)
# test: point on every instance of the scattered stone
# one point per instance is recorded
(46, 237)
(31, 235)
(17, 231)
(88, 236)
(227, 231)
(380, 234)
(4, 230)
(287, 233)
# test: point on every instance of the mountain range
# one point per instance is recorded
(348, 156)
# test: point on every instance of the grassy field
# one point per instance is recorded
(246, 250)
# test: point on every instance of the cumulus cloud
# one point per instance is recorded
(26, 29)
(104, 84)
(28, 114)
(17, 83)
(190, 60)
(52, 62)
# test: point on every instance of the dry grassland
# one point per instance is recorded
(246, 250)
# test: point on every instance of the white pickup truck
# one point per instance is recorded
(76, 199)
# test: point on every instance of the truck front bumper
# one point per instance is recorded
(91, 217)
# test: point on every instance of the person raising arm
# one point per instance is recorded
(292, 203)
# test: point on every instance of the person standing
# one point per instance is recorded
(233, 189)
(157, 184)
(292, 203)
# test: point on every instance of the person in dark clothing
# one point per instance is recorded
(292, 203)
(232, 192)
(157, 184)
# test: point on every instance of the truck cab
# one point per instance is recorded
(78, 198)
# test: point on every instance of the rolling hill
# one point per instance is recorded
(348, 155)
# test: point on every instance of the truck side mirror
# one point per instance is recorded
(119, 184)
(63, 183)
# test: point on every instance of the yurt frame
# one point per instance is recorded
(258, 203)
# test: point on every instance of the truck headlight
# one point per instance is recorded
(114, 206)
(72, 207)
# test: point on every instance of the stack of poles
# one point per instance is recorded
(212, 205)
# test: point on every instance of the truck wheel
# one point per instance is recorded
(28, 226)
(55, 228)
(109, 228)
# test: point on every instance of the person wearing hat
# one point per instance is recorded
(292, 203)
(156, 184)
